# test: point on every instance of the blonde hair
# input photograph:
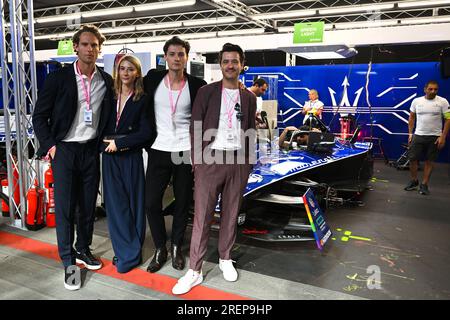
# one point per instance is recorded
(139, 81)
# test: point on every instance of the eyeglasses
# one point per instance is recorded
(239, 114)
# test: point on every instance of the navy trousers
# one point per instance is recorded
(124, 190)
(76, 174)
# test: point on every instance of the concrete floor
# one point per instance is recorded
(409, 243)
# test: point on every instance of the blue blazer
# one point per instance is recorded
(56, 107)
(133, 125)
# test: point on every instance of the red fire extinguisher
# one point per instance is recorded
(35, 209)
(5, 190)
(50, 206)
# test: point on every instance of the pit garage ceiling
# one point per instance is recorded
(55, 19)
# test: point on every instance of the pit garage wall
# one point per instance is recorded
(342, 88)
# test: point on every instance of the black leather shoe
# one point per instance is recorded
(178, 260)
(88, 260)
(114, 260)
(158, 260)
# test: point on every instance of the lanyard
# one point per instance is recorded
(118, 106)
(86, 91)
(173, 107)
(230, 111)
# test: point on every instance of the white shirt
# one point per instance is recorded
(80, 131)
(228, 139)
(313, 107)
(172, 136)
(429, 115)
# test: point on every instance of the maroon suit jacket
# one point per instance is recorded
(207, 109)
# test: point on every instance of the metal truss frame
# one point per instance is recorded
(234, 8)
(19, 97)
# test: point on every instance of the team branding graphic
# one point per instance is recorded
(255, 178)
(378, 95)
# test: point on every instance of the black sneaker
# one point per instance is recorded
(423, 189)
(412, 185)
(72, 278)
(88, 260)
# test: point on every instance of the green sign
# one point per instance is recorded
(65, 47)
(309, 32)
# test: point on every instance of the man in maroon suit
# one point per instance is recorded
(223, 152)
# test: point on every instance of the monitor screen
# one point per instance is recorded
(160, 62)
(198, 69)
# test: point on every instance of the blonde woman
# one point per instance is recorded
(123, 171)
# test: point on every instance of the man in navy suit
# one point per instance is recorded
(69, 116)
(171, 96)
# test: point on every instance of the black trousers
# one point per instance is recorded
(76, 173)
(160, 169)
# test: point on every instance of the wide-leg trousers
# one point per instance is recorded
(123, 185)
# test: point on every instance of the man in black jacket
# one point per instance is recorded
(171, 94)
(68, 119)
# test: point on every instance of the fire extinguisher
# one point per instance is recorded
(5, 190)
(50, 206)
(5, 205)
(35, 206)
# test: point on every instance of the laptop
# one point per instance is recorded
(320, 142)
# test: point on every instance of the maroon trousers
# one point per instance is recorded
(210, 180)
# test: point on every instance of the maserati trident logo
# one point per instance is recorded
(345, 101)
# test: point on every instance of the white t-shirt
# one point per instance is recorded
(312, 107)
(429, 115)
(172, 136)
(228, 138)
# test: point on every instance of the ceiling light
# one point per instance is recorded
(164, 5)
(240, 32)
(321, 51)
(121, 41)
(213, 21)
(428, 3)
(358, 8)
(61, 17)
(182, 36)
(106, 12)
(54, 36)
(118, 29)
(281, 15)
(366, 24)
(163, 25)
(292, 28)
(426, 20)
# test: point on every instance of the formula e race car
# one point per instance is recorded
(273, 208)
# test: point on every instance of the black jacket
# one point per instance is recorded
(57, 105)
(133, 125)
(151, 83)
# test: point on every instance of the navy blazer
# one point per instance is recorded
(133, 125)
(151, 83)
(57, 105)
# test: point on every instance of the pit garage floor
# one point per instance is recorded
(403, 235)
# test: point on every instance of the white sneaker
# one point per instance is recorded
(187, 282)
(229, 272)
